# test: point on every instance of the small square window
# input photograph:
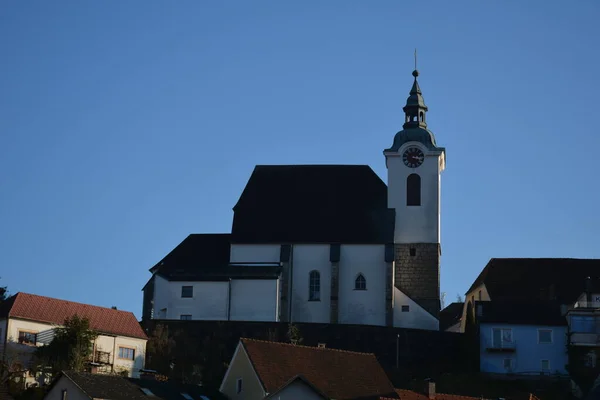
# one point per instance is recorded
(186, 317)
(545, 365)
(405, 308)
(187, 291)
(238, 386)
(508, 364)
(413, 252)
(544, 336)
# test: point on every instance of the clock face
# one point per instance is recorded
(413, 157)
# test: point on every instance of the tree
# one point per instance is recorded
(294, 335)
(459, 298)
(160, 349)
(71, 347)
(3, 293)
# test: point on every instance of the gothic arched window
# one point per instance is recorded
(314, 286)
(360, 283)
(413, 190)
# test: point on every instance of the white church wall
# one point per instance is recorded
(365, 307)
(254, 300)
(208, 301)
(416, 317)
(307, 258)
(241, 253)
(422, 221)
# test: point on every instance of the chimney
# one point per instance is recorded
(429, 389)
(588, 290)
(114, 307)
(321, 345)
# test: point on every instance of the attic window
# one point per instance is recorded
(64, 394)
(238, 386)
(405, 308)
(187, 396)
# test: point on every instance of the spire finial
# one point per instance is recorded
(415, 72)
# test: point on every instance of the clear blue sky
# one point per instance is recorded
(125, 126)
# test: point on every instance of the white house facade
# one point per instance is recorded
(321, 244)
(29, 322)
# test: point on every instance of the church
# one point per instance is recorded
(320, 243)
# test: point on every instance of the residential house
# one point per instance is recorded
(283, 371)
(451, 316)
(530, 279)
(28, 321)
(85, 386)
(522, 337)
(320, 244)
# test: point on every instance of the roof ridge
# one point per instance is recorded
(308, 347)
(74, 302)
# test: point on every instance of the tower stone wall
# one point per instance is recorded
(417, 273)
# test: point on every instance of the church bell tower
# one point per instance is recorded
(414, 164)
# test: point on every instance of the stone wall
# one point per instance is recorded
(417, 273)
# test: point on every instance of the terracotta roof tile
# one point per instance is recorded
(339, 374)
(405, 394)
(55, 311)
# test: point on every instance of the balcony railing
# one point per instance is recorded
(505, 346)
(101, 357)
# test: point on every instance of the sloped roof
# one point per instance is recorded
(412, 395)
(54, 311)
(450, 315)
(339, 374)
(111, 387)
(197, 251)
(313, 204)
(560, 279)
(520, 312)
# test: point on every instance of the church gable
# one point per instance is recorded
(313, 204)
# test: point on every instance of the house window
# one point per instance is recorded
(502, 338)
(413, 252)
(405, 308)
(126, 353)
(545, 365)
(360, 283)
(544, 336)
(583, 324)
(508, 364)
(238, 386)
(413, 190)
(186, 317)
(29, 338)
(590, 359)
(187, 291)
(64, 394)
(314, 286)
(479, 295)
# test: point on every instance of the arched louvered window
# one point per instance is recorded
(314, 286)
(360, 283)
(413, 190)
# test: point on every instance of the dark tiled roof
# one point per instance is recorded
(313, 204)
(197, 252)
(338, 374)
(561, 279)
(520, 312)
(450, 315)
(54, 311)
(111, 387)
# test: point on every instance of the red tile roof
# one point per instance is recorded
(339, 374)
(54, 311)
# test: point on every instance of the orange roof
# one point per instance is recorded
(411, 395)
(54, 311)
(338, 374)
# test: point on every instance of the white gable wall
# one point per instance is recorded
(73, 391)
(297, 390)
(254, 299)
(306, 258)
(416, 317)
(209, 301)
(365, 307)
